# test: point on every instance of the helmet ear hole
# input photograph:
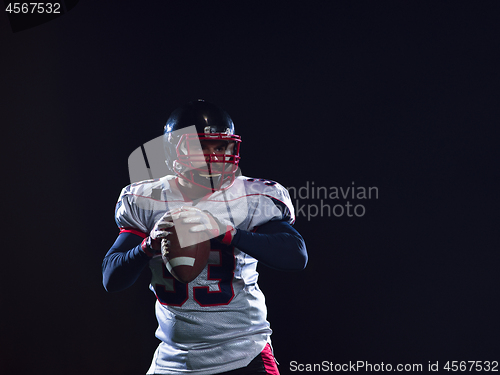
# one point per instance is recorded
(177, 167)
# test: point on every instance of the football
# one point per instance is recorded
(186, 263)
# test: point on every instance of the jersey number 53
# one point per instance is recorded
(222, 272)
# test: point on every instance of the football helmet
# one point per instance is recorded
(184, 133)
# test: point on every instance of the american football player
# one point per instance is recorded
(216, 323)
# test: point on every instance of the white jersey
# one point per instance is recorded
(217, 322)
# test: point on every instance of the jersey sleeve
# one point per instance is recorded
(281, 200)
(128, 216)
(270, 202)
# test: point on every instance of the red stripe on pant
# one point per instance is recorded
(268, 360)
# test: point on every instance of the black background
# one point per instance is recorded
(398, 96)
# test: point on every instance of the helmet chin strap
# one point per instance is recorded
(214, 179)
(210, 175)
(210, 181)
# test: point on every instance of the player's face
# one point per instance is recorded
(209, 162)
(213, 153)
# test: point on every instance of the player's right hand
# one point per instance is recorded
(151, 245)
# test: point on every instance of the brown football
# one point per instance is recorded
(186, 263)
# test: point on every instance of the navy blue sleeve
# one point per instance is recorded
(123, 263)
(276, 244)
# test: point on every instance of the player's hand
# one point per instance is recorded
(152, 245)
(207, 223)
(165, 245)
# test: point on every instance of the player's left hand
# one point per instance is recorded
(207, 222)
